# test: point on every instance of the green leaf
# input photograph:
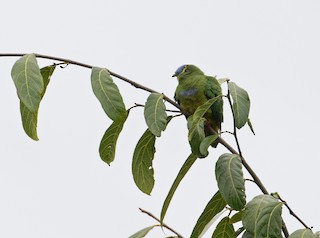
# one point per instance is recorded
(251, 127)
(30, 119)
(108, 143)
(262, 217)
(196, 136)
(107, 93)
(224, 229)
(183, 171)
(142, 169)
(241, 104)
(206, 142)
(210, 212)
(247, 234)
(302, 233)
(199, 113)
(236, 217)
(230, 180)
(28, 81)
(155, 114)
(142, 233)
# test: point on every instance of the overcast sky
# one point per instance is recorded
(58, 187)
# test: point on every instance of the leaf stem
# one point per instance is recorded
(163, 224)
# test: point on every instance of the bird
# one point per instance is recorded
(194, 89)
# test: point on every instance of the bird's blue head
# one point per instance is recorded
(180, 70)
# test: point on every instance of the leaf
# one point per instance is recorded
(302, 233)
(28, 81)
(196, 136)
(107, 93)
(230, 180)
(108, 143)
(262, 216)
(224, 229)
(241, 104)
(142, 169)
(210, 212)
(183, 171)
(247, 234)
(142, 233)
(206, 142)
(199, 113)
(251, 127)
(30, 119)
(236, 217)
(155, 114)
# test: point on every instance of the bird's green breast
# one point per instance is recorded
(190, 94)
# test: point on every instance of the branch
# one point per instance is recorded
(292, 212)
(137, 85)
(163, 224)
(234, 125)
(68, 61)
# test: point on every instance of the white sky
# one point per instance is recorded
(59, 188)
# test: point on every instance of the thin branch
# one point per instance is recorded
(234, 125)
(163, 224)
(68, 61)
(292, 212)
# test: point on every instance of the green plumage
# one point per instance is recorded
(194, 89)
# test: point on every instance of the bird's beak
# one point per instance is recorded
(175, 75)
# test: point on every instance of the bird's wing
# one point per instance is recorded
(213, 89)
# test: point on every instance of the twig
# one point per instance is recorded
(292, 212)
(68, 61)
(234, 124)
(163, 224)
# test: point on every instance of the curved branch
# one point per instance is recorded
(163, 224)
(137, 85)
(68, 61)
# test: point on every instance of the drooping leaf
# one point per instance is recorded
(302, 233)
(236, 217)
(107, 93)
(183, 171)
(30, 119)
(108, 143)
(143, 232)
(199, 113)
(251, 127)
(155, 113)
(230, 180)
(196, 136)
(206, 142)
(28, 81)
(241, 104)
(209, 214)
(142, 169)
(262, 217)
(224, 229)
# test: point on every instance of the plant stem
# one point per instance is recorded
(163, 224)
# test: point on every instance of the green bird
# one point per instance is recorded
(194, 89)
